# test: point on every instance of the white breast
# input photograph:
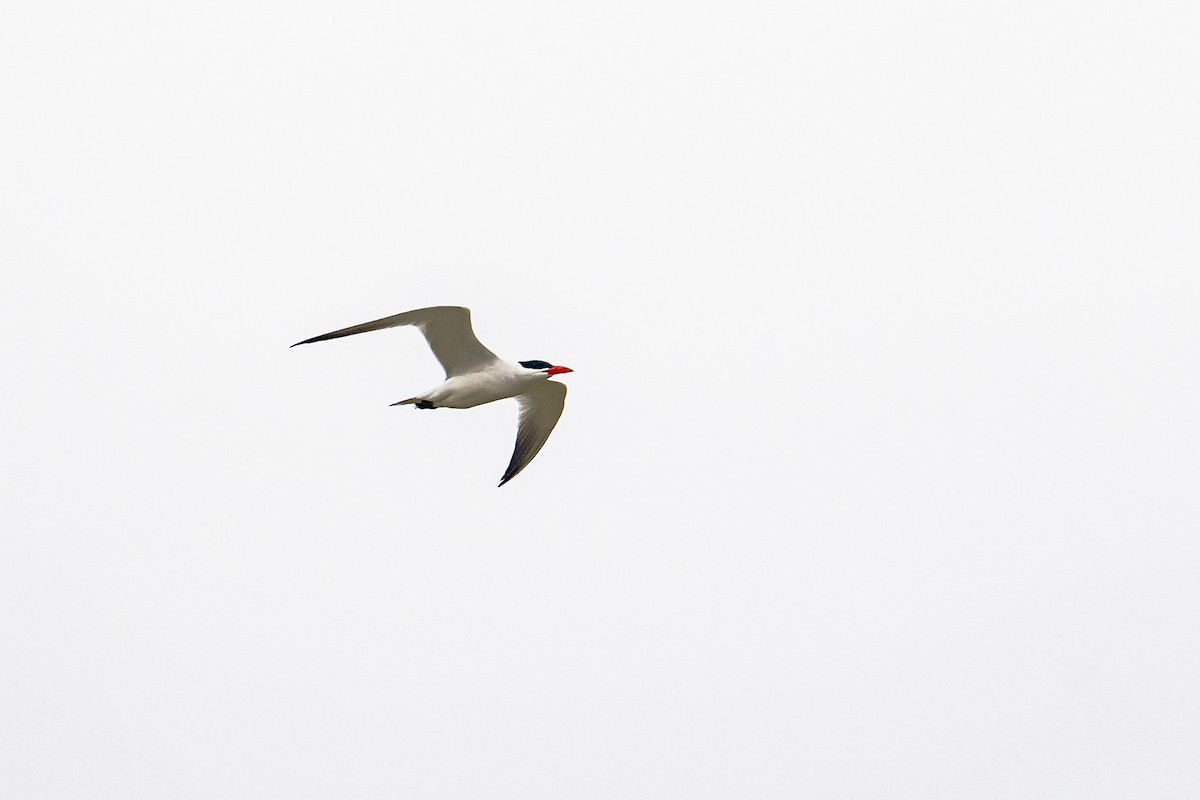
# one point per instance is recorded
(485, 386)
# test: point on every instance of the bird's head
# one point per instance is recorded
(544, 366)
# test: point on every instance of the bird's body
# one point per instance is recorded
(476, 375)
(498, 381)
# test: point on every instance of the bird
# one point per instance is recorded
(476, 375)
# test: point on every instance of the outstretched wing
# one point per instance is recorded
(541, 407)
(446, 328)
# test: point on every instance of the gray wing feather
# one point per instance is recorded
(447, 329)
(541, 407)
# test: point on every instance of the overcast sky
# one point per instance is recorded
(878, 475)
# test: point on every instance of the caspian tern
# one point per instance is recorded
(476, 375)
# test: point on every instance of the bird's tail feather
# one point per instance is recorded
(418, 402)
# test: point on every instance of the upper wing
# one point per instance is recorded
(541, 407)
(446, 328)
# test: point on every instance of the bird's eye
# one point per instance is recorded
(535, 364)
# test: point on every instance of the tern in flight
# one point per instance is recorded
(476, 375)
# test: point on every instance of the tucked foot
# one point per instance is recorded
(425, 404)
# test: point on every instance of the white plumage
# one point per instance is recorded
(476, 375)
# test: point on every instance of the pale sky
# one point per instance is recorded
(878, 475)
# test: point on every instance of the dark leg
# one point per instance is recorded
(425, 404)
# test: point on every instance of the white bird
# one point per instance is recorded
(476, 375)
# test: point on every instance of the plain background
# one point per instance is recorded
(878, 473)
